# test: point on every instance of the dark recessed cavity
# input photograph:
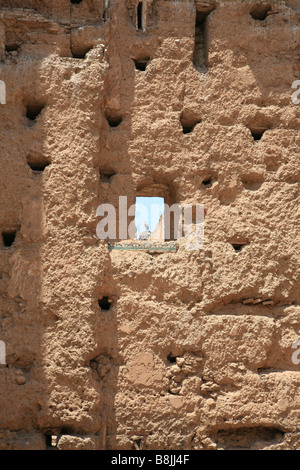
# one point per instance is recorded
(51, 441)
(33, 110)
(140, 16)
(104, 303)
(8, 237)
(114, 120)
(238, 246)
(106, 175)
(80, 52)
(201, 46)
(37, 165)
(76, 2)
(260, 11)
(187, 129)
(66, 431)
(188, 122)
(141, 64)
(48, 440)
(258, 132)
(207, 182)
(171, 358)
(11, 47)
(137, 443)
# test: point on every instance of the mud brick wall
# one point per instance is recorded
(191, 349)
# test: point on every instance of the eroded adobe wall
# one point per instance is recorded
(195, 351)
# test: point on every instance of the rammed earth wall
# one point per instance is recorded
(120, 349)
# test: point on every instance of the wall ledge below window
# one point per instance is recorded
(148, 246)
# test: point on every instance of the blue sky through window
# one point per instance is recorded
(148, 210)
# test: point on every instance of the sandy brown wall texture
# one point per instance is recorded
(195, 351)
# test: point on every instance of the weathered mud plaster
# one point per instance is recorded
(109, 348)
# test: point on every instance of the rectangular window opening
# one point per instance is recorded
(149, 219)
(201, 40)
(140, 19)
(150, 226)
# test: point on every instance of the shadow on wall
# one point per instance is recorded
(46, 357)
(21, 245)
(34, 261)
(119, 175)
(115, 179)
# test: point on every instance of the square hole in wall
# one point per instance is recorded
(12, 47)
(33, 110)
(37, 163)
(260, 11)
(113, 117)
(141, 63)
(8, 237)
(104, 303)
